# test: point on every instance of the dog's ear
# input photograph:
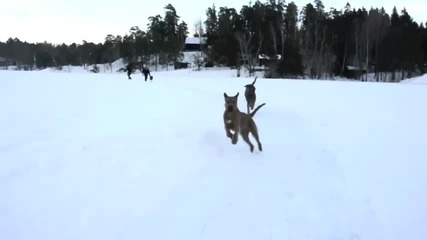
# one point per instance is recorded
(237, 95)
(225, 95)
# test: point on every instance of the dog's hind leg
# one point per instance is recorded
(245, 136)
(252, 104)
(256, 136)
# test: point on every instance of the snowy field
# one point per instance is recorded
(99, 157)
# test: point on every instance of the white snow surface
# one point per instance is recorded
(416, 80)
(97, 156)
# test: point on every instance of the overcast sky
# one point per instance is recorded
(61, 21)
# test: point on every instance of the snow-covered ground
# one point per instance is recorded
(416, 80)
(96, 156)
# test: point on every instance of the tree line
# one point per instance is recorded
(289, 41)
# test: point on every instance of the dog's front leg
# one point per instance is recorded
(235, 137)
(228, 132)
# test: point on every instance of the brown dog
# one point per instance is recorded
(250, 95)
(240, 122)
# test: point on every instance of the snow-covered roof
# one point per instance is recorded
(349, 67)
(265, 56)
(195, 40)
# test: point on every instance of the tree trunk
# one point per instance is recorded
(320, 69)
(376, 58)
(261, 40)
(157, 61)
(315, 58)
(283, 38)
(357, 52)
(344, 58)
(367, 51)
(273, 36)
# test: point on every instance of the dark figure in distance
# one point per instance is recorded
(129, 70)
(146, 72)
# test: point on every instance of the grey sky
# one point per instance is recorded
(59, 21)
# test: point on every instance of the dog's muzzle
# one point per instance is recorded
(230, 108)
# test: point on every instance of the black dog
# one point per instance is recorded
(250, 95)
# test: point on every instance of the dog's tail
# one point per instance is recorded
(256, 109)
(254, 81)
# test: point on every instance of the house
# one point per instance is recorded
(260, 61)
(193, 49)
(192, 44)
(353, 72)
(264, 59)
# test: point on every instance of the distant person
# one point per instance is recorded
(129, 70)
(146, 72)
